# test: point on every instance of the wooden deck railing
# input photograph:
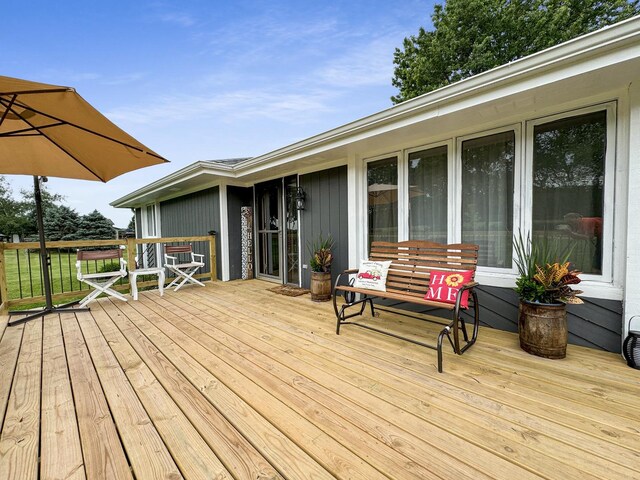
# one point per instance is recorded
(21, 273)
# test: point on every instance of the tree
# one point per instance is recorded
(95, 226)
(472, 36)
(132, 224)
(61, 223)
(49, 201)
(13, 215)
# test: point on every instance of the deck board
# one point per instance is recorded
(403, 406)
(19, 440)
(233, 381)
(60, 449)
(103, 453)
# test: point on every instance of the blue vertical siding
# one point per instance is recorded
(193, 214)
(325, 213)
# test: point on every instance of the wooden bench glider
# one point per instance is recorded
(408, 281)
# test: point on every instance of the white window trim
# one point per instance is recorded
(145, 223)
(402, 212)
(609, 184)
(404, 180)
(517, 191)
(145, 230)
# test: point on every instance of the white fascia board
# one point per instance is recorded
(190, 171)
(577, 55)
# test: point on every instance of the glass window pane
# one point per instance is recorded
(151, 220)
(487, 197)
(428, 195)
(568, 186)
(382, 188)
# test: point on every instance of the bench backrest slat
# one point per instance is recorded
(100, 254)
(412, 262)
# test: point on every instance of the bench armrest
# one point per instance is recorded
(350, 271)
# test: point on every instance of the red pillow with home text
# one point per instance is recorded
(444, 286)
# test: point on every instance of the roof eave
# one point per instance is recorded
(190, 171)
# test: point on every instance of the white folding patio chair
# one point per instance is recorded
(184, 271)
(100, 281)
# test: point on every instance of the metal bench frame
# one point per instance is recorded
(408, 281)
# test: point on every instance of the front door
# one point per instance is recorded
(269, 229)
(277, 231)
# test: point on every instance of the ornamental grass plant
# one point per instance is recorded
(545, 274)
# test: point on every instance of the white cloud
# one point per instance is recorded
(182, 19)
(265, 103)
(361, 65)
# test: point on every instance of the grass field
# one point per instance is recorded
(24, 275)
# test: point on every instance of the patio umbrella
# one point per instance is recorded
(50, 130)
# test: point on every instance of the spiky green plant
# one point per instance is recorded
(544, 272)
(320, 253)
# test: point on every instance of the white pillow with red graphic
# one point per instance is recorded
(372, 275)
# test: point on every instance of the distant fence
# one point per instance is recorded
(21, 281)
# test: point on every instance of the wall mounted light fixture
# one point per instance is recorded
(300, 197)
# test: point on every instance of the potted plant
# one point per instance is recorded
(544, 287)
(320, 264)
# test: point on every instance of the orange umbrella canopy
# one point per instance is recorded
(50, 130)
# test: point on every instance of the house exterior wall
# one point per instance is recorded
(325, 213)
(237, 197)
(193, 214)
(595, 324)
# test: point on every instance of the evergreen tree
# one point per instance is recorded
(95, 226)
(61, 223)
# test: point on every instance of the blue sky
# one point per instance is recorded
(200, 80)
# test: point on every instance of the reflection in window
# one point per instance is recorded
(428, 195)
(382, 188)
(568, 186)
(487, 197)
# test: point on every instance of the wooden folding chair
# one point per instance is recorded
(184, 271)
(101, 281)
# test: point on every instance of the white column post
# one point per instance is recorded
(631, 284)
(223, 234)
(354, 206)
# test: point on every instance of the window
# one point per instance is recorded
(427, 175)
(568, 186)
(382, 200)
(487, 197)
(150, 214)
(553, 180)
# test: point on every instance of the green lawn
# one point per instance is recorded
(24, 276)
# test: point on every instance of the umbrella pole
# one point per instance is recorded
(44, 263)
(44, 256)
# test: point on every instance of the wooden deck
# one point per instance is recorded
(233, 381)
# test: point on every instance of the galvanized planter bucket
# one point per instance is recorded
(543, 329)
